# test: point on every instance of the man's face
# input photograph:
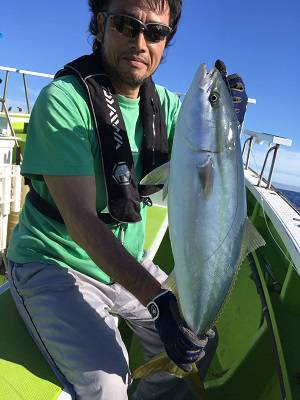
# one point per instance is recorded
(129, 61)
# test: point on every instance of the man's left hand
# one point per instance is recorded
(239, 95)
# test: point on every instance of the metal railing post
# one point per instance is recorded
(250, 140)
(26, 93)
(275, 149)
(9, 122)
(5, 90)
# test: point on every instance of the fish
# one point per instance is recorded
(207, 220)
(206, 198)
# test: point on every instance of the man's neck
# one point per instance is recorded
(124, 90)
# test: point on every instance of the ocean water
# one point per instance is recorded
(293, 197)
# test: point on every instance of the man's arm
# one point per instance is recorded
(75, 197)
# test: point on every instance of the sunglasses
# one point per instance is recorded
(131, 27)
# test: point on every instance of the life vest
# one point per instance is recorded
(124, 194)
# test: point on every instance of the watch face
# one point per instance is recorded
(153, 310)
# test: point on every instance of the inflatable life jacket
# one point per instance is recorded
(124, 195)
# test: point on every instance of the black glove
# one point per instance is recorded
(239, 95)
(237, 90)
(182, 345)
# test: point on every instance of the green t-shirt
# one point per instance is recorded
(62, 141)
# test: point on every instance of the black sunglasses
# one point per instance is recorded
(131, 27)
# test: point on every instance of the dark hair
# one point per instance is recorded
(102, 5)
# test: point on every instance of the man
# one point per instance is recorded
(75, 257)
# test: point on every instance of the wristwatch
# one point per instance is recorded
(153, 307)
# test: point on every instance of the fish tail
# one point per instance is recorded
(162, 363)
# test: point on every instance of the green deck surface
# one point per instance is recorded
(155, 218)
(2, 279)
(24, 374)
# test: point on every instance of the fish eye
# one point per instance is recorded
(214, 98)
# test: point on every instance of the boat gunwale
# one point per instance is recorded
(283, 224)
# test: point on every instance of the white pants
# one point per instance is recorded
(70, 316)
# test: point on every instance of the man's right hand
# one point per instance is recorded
(182, 345)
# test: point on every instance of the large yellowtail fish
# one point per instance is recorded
(206, 200)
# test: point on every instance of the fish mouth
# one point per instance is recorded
(206, 77)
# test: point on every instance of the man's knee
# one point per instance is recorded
(100, 385)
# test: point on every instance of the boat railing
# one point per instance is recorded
(4, 109)
(24, 74)
(274, 143)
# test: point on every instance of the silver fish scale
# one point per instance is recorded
(206, 200)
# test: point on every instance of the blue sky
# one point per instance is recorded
(259, 39)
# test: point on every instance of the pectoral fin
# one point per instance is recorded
(159, 176)
(206, 177)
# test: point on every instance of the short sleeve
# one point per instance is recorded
(58, 140)
(171, 105)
